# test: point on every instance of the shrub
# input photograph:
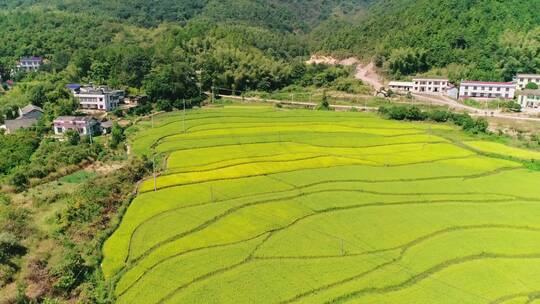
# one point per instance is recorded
(164, 105)
(531, 86)
(438, 115)
(19, 180)
(9, 246)
(324, 105)
(73, 137)
(117, 135)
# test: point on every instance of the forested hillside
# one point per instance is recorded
(297, 15)
(479, 39)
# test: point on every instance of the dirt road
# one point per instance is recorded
(310, 105)
(368, 75)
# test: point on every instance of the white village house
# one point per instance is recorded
(487, 90)
(29, 64)
(430, 85)
(401, 86)
(84, 125)
(99, 98)
(523, 79)
(529, 99)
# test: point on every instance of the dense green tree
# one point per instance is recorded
(531, 86)
(117, 135)
(171, 82)
(73, 137)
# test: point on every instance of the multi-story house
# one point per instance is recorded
(529, 99)
(430, 85)
(29, 64)
(487, 90)
(84, 125)
(97, 98)
(523, 79)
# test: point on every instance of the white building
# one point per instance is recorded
(401, 86)
(430, 85)
(529, 99)
(96, 98)
(84, 125)
(523, 79)
(487, 90)
(29, 64)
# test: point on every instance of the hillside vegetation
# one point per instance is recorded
(481, 39)
(298, 15)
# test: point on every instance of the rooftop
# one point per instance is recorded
(488, 83)
(107, 124)
(32, 58)
(531, 92)
(29, 108)
(529, 75)
(15, 124)
(89, 89)
(401, 83)
(74, 118)
(430, 78)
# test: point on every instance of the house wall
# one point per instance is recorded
(523, 80)
(400, 88)
(103, 102)
(430, 86)
(529, 101)
(486, 91)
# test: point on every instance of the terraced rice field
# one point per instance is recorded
(258, 205)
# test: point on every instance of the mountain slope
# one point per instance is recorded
(435, 34)
(296, 15)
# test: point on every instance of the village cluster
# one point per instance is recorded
(478, 90)
(92, 100)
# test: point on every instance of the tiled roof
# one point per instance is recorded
(15, 124)
(29, 108)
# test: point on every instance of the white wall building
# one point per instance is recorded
(97, 98)
(487, 90)
(529, 99)
(29, 64)
(430, 85)
(83, 125)
(523, 79)
(401, 86)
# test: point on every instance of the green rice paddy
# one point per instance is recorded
(259, 205)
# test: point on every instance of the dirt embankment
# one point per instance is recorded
(364, 72)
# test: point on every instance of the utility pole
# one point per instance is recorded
(184, 119)
(152, 116)
(154, 170)
(212, 94)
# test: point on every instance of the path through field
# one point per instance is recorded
(260, 205)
